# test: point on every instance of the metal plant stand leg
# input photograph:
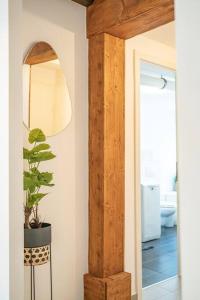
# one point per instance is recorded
(32, 279)
(51, 275)
(33, 282)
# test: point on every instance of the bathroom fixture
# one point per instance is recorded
(161, 79)
(164, 83)
(151, 224)
(168, 208)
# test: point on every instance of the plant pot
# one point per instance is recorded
(37, 245)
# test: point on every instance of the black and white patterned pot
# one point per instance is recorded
(37, 245)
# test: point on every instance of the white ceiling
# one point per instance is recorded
(164, 34)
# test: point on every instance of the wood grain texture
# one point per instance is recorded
(116, 287)
(127, 18)
(40, 52)
(84, 2)
(106, 155)
(94, 288)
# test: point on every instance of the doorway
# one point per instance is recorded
(158, 173)
(156, 212)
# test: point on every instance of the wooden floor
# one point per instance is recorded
(160, 262)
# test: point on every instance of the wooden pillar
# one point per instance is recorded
(106, 279)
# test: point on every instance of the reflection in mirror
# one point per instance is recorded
(46, 100)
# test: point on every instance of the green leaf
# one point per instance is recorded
(35, 171)
(34, 179)
(27, 183)
(26, 153)
(27, 174)
(40, 147)
(36, 135)
(30, 182)
(45, 178)
(41, 156)
(35, 199)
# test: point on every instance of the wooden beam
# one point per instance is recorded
(108, 22)
(127, 18)
(106, 134)
(106, 164)
(84, 2)
(110, 288)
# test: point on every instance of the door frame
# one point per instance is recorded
(137, 58)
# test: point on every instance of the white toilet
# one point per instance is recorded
(168, 208)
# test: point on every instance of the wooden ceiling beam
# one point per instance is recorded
(127, 18)
(84, 2)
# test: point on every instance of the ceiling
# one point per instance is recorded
(164, 34)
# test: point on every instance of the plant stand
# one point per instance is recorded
(37, 251)
(32, 273)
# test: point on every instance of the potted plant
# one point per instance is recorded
(37, 234)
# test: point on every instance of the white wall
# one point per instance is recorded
(188, 82)
(160, 53)
(15, 160)
(158, 137)
(11, 212)
(61, 23)
(4, 135)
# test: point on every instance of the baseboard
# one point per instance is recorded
(134, 297)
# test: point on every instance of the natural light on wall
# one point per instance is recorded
(158, 127)
(47, 102)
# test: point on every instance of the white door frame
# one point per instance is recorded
(138, 56)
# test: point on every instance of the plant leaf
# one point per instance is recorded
(35, 199)
(45, 178)
(35, 171)
(41, 156)
(36, 135)
(27, 183)
(40, 147)
(30, 181)
(26, 153)
(34, 179)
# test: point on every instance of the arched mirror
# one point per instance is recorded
(46, 99)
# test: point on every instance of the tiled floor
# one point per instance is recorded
(166, 290)
(160, 262)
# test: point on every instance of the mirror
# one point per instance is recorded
(46, 99)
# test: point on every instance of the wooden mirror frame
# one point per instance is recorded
(40, 52)
(109, 23)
